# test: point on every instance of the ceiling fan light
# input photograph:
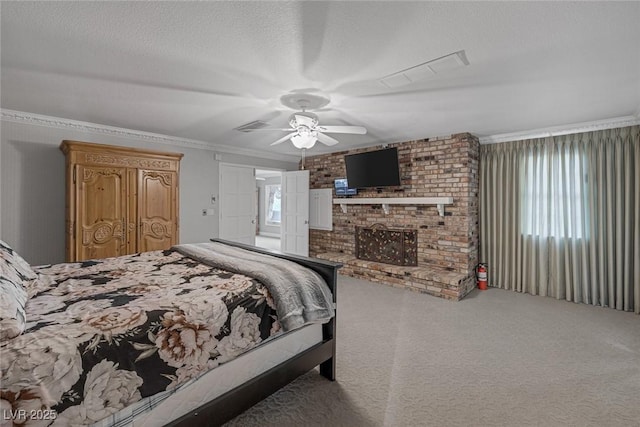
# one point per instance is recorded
(304, 140)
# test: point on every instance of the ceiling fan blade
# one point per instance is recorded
(284, 138)
(326, 139)
(280, 129)
(343, 129)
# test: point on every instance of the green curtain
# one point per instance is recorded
(560, 216)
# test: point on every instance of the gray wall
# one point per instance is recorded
(32, 187)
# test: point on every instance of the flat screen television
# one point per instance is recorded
(342, 188)
(373, 169)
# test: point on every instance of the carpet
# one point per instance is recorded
(497, 358)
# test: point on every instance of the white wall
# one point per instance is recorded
(32, 184)
(262, 209)
(260, 188)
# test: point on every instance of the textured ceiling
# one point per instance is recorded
(197, 70)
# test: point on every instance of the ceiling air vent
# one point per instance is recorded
(248, 127)
(426, 69)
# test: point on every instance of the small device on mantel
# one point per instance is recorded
(341, 186)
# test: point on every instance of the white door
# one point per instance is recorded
(294, 228)
(237, 199)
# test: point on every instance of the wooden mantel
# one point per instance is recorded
(386, 201)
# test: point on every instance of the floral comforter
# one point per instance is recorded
(103, 334)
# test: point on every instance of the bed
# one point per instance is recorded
(193, 335)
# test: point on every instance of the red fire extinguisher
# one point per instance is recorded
(481, 276)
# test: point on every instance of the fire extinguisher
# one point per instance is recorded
(481, 276)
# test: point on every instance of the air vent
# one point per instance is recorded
(426, 70)
(248, 127)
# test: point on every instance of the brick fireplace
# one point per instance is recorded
(446, 247)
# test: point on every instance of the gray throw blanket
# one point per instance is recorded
(300, 294)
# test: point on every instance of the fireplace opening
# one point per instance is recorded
(387, 245)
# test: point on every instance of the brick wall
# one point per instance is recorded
(447, 246)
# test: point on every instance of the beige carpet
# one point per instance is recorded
(497, 358)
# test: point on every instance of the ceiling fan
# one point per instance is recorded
(305, 130)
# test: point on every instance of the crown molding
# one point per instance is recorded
(61, 123)
(618, 122)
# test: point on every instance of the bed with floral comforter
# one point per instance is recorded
(103, 334)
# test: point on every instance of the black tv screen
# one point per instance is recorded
(342, 188)
(373, 169)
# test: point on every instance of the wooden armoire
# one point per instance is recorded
(119, 200)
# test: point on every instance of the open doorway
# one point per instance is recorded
(269, 205)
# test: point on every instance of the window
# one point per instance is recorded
(554, 198)
(273, 204)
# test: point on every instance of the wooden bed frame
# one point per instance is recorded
(241, 398)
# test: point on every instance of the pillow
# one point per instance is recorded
(13, 267)
(15, 276)
(13, 298)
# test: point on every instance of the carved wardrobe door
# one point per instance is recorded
(101, 211)
(157, 207)
(119, 200)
